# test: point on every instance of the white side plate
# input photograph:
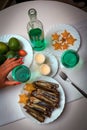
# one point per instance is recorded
(59, 29)
(51, 60)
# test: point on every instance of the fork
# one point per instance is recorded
(66, 78)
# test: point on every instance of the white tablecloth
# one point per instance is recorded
(9, 108)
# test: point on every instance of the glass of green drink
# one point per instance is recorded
(69, 58)
(21, 73)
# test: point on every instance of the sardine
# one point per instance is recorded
(36, 114)
(45, 99)
(41, 109)
(49, 86)
(51, 95)
(40, 106)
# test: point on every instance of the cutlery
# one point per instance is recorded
(66, 78)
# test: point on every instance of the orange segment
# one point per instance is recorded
(29, 87)
(64, 46)
(57, 46)
(55, 36)
(70, 40)
(65, 34)
(63, 40)
(23, 98)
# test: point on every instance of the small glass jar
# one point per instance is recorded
(35, 31)
(21, 73)
(70, 58)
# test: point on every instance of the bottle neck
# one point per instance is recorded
(32, 14)
(33, 18)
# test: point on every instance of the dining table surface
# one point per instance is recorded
(14, 20)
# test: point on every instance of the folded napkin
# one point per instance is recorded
(9, 108)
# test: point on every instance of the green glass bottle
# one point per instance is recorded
(21, 73)
(35, 31)
(70, 58)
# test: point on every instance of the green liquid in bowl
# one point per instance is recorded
(21, 73)
(70, 58)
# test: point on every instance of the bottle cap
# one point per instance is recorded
(21, 73)
(70, 58)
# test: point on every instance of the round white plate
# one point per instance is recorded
(51, 60)
(59, 29)
(58, 111)
(25, 45)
